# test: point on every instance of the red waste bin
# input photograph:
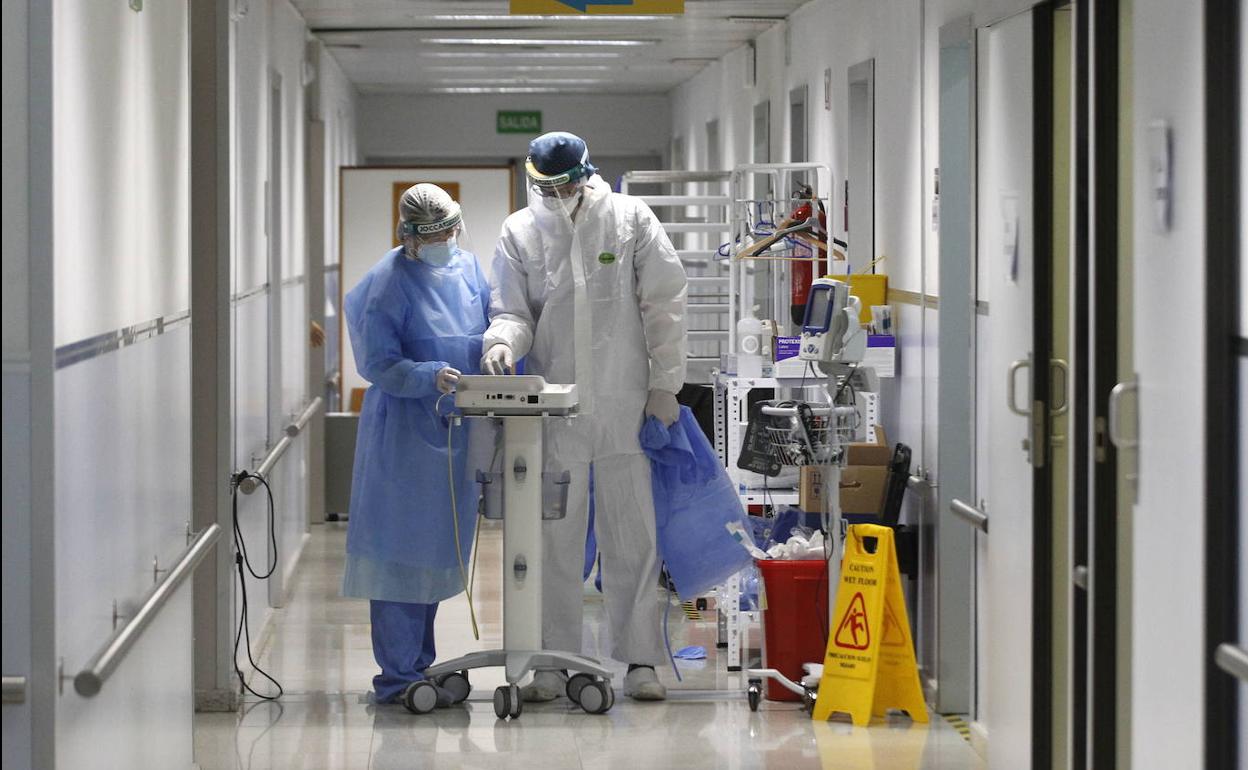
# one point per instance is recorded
(795, 619)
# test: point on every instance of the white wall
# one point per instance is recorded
(1167, 692)
(451, 126)
(270, 44)
(336, 105)
(122, 416)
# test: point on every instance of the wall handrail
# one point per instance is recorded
(305, 417)
(92, 677)
(14, 689)
(251, 483)
(970, 514)
(1233, 660)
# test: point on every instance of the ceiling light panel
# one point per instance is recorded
(520, 41)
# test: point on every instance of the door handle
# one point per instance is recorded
(1063, 368)
(1233, 660)
(1079, 576)
(1011, 397)
(1116, 396)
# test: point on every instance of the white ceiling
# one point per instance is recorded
(414, 46)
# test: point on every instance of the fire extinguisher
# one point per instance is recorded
(802, 272)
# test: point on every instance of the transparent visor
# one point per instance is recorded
(434, 240)
(561, 200)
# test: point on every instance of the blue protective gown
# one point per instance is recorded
(407, 321)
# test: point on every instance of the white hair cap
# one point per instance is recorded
(426, 209)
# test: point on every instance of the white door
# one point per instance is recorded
(1004, 475)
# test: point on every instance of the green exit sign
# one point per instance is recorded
(519, 122)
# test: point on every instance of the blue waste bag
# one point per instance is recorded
(694, 500)
(776, 529)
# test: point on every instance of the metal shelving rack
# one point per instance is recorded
(722, 288)
(697, 224)
(744, 284)
(781, 179)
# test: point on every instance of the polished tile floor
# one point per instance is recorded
(319, 649)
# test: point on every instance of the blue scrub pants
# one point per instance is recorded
(402, 645)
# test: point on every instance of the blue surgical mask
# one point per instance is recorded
(437, 254)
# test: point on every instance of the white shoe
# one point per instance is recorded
(545, 687)
(643, 684)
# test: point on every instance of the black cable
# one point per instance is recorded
(241, 560)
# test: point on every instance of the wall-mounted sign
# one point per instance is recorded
(597, 7)
(519, 122)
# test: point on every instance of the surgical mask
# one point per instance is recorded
(567, 204)
(436, 254)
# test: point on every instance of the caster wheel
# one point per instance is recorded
(755, 693)
(420, 697)
(597, 697)
(456, 685)
(575, 684)
(502, 702)
(808, 699)
(517, 703)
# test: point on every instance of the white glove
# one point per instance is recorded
(664, 406)
(498, 360)
(447, 377)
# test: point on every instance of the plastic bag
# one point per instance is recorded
(694, 502)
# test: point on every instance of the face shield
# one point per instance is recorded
(431, 226)
(434, 247)
(559, 194)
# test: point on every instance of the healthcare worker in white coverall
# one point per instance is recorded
(588, 289)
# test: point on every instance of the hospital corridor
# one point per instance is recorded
(672, 384)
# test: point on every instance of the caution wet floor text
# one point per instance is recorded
(869, 665)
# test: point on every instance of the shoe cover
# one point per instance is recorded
(643, 684)
(545, 687)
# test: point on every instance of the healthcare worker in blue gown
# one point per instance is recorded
(416, 321)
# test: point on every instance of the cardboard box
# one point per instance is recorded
(810, 488)
(877, 452)
(863, 481)
(862, 488)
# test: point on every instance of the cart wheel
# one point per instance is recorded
(517, 703)
(575, 684)
(754, 693)
(597, 697)
(456, 684)
(420, 697)
(502, 702)
(808, 699)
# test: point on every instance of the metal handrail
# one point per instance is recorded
(14, 689)
(92, 677)
(251, 483)
(1233, 660)
(675, 177)
(817, 411)
(305, 417)
(970, 514)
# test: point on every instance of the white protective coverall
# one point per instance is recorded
(635, 291)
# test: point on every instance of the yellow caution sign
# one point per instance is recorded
(597, 7)
(869, 666)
